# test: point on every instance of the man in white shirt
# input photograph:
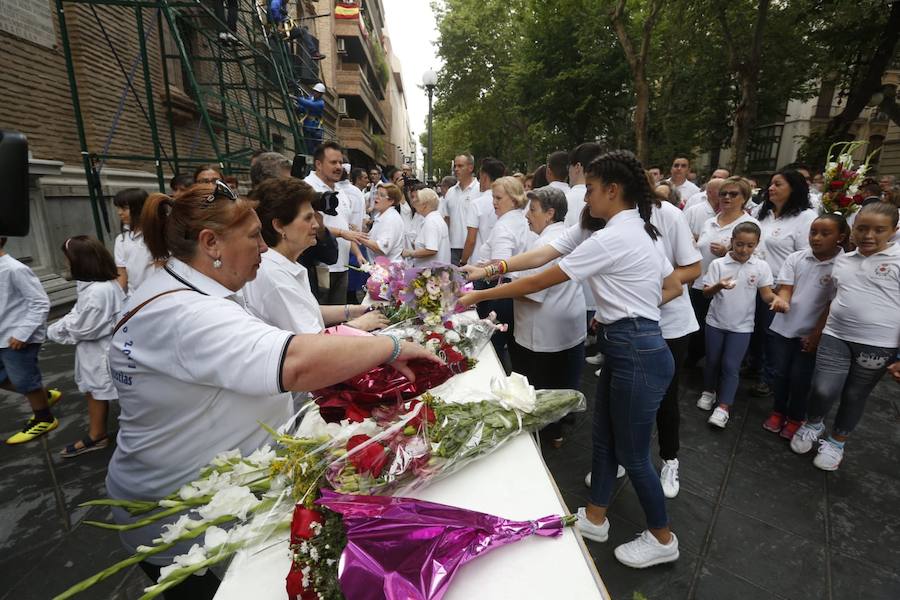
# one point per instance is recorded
(328, 171)
(446, 183)
(579, 159)
(678, 178)
(457, 203)
(480, 217)
(700, 197)
(701, 211)
(558, 170)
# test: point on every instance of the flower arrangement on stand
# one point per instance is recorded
(842, 179)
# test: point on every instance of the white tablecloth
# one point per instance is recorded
(513, 482)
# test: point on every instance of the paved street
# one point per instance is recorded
(754, 520)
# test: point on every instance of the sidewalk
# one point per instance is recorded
(753, 520)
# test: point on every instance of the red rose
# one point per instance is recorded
(294, 585)
(837, 184)
(427, 413)
(371, 459)
(301, 523)
(357, 413)
(844, 201)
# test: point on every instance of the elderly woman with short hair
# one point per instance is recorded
(432, 242)
(550, 325)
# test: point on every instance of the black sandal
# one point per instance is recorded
(88, 444)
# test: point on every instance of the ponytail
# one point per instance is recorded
(623, 167)
(171, 226)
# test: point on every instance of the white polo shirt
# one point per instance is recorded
(339, 221)
(784, 236)
(552, 319)
(566, 243)
(389, 233)
(575, 200)
(866, 308)
(695, 199)
(713, 232)
(697, 216)
(434, 235)
(481, 215)
(457, 204)
(686, 190)
(195, 372)
(676, 244)
(622, 265)
(510, 236)
(357, 203)
(280, 295)
(131, 253)
(813, 291)
(734, 310)
(89, 326)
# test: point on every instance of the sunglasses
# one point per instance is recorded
(731, 194)
(221, 190)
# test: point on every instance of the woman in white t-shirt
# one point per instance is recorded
(280, 294)
(550, 326)
(784, 217)
(195, 372)
(432, 241)
(133, 260)
(509, 236)
(713, 243)
(388, 231)
(629, 279)
(861, 335)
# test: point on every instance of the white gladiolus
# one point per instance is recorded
(171, 532)
(262, 457)
(214, 538)
(227, 457)
(236, 501)
(195, 556)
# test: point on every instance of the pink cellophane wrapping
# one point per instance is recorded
(407, 549)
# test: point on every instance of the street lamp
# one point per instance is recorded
(429, 79)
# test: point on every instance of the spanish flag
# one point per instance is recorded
(346, 10)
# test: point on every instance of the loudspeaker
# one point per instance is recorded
(14, 206)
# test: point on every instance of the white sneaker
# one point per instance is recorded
(829, 456)
(806, 437)
(597, 359)
(598, 371)
(620, 473)
(668, 476)
(598, 533)
(646, 551)
(719, 417)
(706, 401)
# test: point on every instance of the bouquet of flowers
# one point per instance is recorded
(240, 502)
(457, 341)
(842, 179)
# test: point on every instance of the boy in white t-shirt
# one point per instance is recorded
(733, 281)
(24, 306)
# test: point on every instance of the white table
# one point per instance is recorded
(514, 483)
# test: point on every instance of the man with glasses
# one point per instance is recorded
(681, 166)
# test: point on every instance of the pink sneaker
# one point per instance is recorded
(774, 423)
(790, 428)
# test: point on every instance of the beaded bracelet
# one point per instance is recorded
(346, 312)
(395, 354)
(504, 267)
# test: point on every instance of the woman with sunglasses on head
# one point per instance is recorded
(612, 249)
(785, 216)
(195, 372)
(713, 243)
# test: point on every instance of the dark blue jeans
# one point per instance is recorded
(548, 371)
(757, 359)
(504, 309)
(724, 352)
(635, 376)
(848, 372)
(792, 371)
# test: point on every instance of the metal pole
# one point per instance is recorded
(430, 127)
(79, 122)
(148, 86)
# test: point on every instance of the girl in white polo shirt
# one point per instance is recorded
(133, 260)
(89, 326)
(861, 335)
(804, 281)
(732, 282)
(612, 248)
(784, 217)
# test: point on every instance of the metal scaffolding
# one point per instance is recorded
(242, 90)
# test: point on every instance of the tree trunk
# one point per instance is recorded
(839, 126)
(637, 62)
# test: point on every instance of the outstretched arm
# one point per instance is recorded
(538, 257)
(520, 287)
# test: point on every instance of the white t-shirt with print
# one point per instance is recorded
(734, 310)
(720, 234)
(813, 291)
(784, 236)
